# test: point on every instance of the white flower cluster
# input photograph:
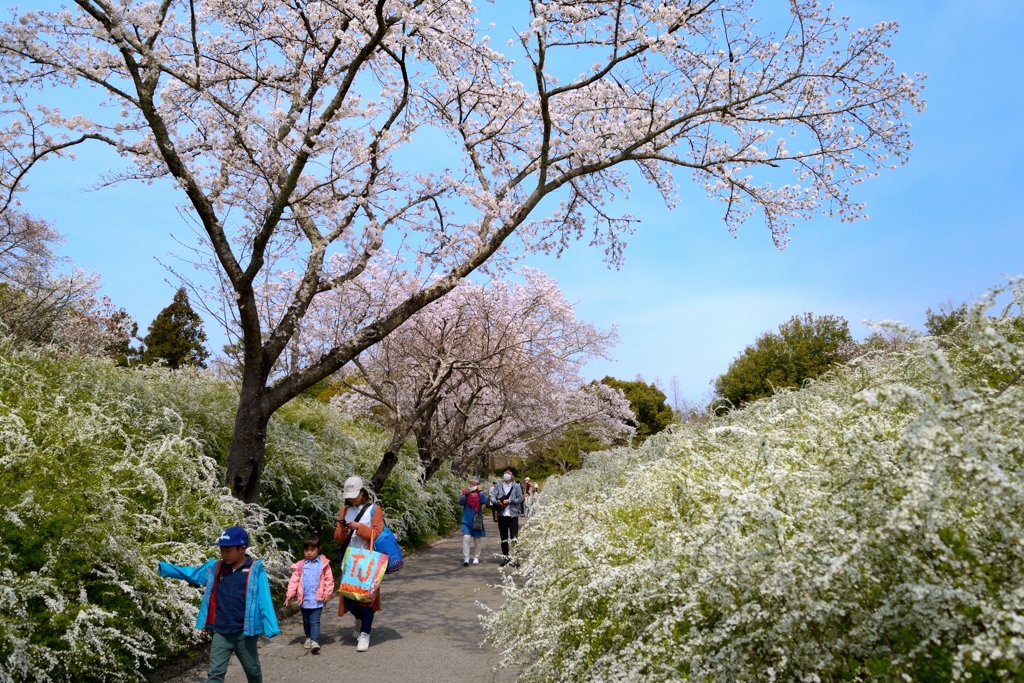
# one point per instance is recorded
(97, 483)
(866, 527)
(105, 471)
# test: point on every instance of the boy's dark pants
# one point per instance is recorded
(311, 622)
(244, 647)
(507, 526)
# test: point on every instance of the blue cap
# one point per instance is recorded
(236, 535)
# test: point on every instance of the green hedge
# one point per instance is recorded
(104, 471)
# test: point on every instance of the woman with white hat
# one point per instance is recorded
(358, 522)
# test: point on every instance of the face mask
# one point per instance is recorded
(508, 477)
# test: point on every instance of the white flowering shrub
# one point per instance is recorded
(104, 471)
(867, 527)
(312, 447)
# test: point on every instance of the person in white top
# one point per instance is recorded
(358, 522)
(529, 496)
(508, 499)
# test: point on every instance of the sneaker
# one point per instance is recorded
(356, 631)
(504, 561)
(307, 643)
(315, 647)
(363, 643)
(476, 560)
(465, 562)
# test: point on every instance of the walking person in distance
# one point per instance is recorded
(491, 496)
(472, 501)
(359, 522)
(508, 498)
(528, 497)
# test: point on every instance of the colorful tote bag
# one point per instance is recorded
(362, 573)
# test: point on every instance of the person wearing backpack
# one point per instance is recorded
(508, 498)
(359, 522)
(472, 501)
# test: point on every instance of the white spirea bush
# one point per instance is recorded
(104, 471)
(866, 527)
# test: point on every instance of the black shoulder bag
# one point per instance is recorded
(339, 559)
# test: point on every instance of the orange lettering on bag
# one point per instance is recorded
(356, 559)
(369, 571)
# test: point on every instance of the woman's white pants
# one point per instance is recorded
(466, 538)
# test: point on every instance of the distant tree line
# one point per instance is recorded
(45, 300)
(805, 348)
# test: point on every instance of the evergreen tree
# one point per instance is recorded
(648, 404)
(804, 348)
(176, 335)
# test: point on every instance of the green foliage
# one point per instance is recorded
(176, 335)
(804, 348)
(648, 404)
(561, 455)
(946, 319)
(104, 471)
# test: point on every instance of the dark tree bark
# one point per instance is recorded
(390, 459)
(248, 450)
(387, 463)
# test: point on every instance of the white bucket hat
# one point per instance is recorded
(353, 485)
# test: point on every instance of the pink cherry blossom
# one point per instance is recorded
(290, 129)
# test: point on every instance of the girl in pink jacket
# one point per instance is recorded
(312, 584)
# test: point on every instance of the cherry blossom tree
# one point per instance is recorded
(292, 126)
(487, 369)
(44, 299)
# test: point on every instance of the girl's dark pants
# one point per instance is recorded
(364, 613)
(311, 622)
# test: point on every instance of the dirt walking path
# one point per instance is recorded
(426, 632)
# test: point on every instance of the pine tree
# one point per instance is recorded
(176, 335)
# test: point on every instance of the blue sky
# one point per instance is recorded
(690, 296)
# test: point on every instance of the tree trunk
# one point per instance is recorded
(390, 459)
(248, 446)
(431, 469)
(424, 449)
(387, 463)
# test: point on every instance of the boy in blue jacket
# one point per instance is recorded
(236, 604)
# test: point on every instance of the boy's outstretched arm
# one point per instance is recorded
(194, 575)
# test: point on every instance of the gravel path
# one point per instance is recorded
(426, 632)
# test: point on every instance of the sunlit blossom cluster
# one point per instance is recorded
(487, 370)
